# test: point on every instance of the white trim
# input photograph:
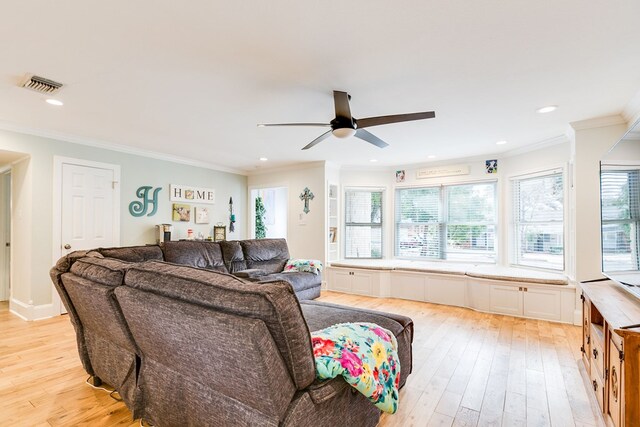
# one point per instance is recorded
(58, 161)
(31, 312)
(556, 140)
(598, 122)
(116, 147)
(631, 111)
(296, 166)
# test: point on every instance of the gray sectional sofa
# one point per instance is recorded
(186, 343)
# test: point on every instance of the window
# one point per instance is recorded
(363, 223)
(538, 203)
(620, 191)
(454, 222)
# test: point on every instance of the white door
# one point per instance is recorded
(87, 207)
(5, 239)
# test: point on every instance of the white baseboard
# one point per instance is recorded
(31, 312)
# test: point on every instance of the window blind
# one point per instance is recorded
(620, 193)
(363, 223)
(455, 222)
(539, 221)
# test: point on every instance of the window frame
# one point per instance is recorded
(363, 224)
(513, 223)
(444, 223)
(634, 206)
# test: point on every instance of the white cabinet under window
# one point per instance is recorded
(357, 281)
(527, 301)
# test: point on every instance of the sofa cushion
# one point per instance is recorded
(106, 271)
(134, 253)
(274, 303)
(233, 256)
(270, 255)
(320, 315)
(299, 281)
(198, 254)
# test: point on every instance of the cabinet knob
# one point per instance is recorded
(595, 385)
(595, 353)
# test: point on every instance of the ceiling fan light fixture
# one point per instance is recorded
(343, 132)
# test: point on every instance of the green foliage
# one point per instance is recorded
(261, 228)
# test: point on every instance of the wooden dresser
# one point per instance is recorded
(611, 352)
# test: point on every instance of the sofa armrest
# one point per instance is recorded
(250, 273)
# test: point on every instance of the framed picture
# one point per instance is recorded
(181, 212)
(219, 233)
(491, 166)
(332, 234)
(400, 175)
(202, 215)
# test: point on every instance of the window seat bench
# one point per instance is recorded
(494, 289)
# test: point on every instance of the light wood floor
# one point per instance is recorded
(469, 369)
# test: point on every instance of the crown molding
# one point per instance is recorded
(631, 111)
(598, 122)
(60, 136)
(545, 143)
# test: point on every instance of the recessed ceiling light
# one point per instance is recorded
(547, 109)
(55, 102)
(373, 160)
(502, 142)
(263, 159)
(431, 156)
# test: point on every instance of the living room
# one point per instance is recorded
(516, 101)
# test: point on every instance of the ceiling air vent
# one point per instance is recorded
(41, 85)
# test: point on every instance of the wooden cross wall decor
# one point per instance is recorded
(306, 195)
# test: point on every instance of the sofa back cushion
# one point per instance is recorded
(269, 255)
(133, 253)
(196, 254)
(233, 256)
(109, 345)
(274, 303)
(199, 363)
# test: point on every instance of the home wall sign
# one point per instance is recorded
(188, 194)
(442, 171)
(139, 208)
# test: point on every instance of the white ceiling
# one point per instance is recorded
(192, 79)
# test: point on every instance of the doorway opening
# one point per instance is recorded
(275, 216)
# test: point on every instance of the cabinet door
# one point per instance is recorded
(361, 283)
(340, 280)
(506, 300)
(408, 286)
(615, 384)
(586, 332)
(542, 303)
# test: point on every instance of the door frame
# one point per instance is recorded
(5, 232)
(58, 162)
(251, 223)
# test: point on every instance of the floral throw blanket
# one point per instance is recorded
(366, 355)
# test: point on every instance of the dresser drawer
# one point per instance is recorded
(598, 387)
(597, 355)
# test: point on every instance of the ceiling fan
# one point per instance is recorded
(345, 125)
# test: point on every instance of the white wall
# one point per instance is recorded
(591, 140)
(306, 232)
(33, 203)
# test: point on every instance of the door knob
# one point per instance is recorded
(67, 246)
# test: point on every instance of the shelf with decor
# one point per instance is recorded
(333, 251)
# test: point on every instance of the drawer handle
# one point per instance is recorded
(588, 339)
(595, 353)
(614, 383)
(595, 385)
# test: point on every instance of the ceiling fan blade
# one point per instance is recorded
(384, 120)
(341, 102)
(262, 125)
(319, 139)
(370, 138)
